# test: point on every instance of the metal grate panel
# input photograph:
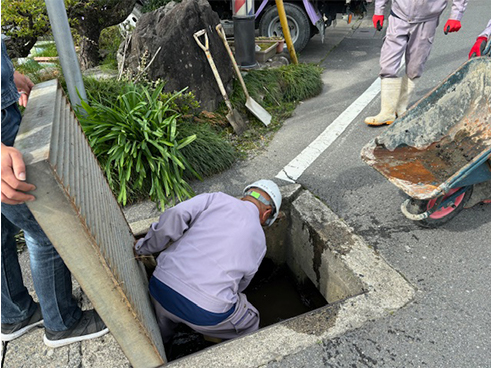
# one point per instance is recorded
(77, 210)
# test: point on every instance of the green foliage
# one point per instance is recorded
(109, 42)
(210, 153)
(302, 81)
(102, 90)
(37, 72)
(278, 90)
(289, 83)
(136, 140)
(24, 21)
(29, 68)
(46, 49)
(185, 103)
(20, 242)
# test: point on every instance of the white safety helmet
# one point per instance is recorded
(272, 190)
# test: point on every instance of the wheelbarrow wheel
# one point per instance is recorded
(443, 215)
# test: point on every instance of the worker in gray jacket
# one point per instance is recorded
(217, 245)
(411, 28)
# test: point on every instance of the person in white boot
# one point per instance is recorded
(411, 28)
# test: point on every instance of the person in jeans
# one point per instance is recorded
(63, 320)
(217, 245)
(411, 29)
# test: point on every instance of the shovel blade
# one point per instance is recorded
(258, 111)
(237, 122)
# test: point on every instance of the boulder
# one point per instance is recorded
(181, 62)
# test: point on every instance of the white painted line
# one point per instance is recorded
(296, 167)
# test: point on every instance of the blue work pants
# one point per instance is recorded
(52, 280)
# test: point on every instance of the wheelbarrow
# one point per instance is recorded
(440, 148)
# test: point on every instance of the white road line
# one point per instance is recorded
(294, 169)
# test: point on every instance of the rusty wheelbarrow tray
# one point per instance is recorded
(442, 142)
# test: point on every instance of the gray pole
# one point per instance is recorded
(66, 50)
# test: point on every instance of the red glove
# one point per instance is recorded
(477, 48)
(376, 19)
(452, 26)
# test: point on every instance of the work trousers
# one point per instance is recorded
(52, 280)
(412, 39)
(245, 319)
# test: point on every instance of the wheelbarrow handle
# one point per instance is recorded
(197, 35)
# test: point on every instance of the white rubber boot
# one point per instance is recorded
(390, 94)
(407, 88)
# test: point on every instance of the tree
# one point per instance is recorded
(89, 18)
(24, 21)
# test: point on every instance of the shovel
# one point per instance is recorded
(233, 116)
(251, 104)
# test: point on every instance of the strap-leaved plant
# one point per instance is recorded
(135, 140)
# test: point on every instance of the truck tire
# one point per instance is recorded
(299, 25)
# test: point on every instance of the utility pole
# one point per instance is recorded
(66, 51)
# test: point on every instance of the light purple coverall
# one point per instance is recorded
(486, 31)
(412, 32)
(217, 246)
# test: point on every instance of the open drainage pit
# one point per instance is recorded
(277, 294)
(318, 280)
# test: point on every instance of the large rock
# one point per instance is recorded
(181, 62)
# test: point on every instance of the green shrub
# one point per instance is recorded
(136, 140)
(104, 89)
(289, 83)
(109, 42)
(46, 49)
(209, 154)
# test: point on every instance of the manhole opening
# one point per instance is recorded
(277, 294)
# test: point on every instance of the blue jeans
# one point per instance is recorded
(52, 279)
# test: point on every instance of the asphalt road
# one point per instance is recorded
(448, 323)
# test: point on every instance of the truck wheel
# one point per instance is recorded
(443, 215)
(299, 25)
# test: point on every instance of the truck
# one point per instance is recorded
(305, 18)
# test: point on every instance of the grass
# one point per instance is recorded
(279, 91)
(45, 49)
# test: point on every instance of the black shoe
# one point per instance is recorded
(11, 331)
(89, 327)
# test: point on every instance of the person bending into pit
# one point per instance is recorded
(211, 247)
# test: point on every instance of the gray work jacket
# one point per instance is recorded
(419, 11)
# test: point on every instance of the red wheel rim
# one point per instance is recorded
(440, 213)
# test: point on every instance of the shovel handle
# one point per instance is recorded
(220, 31)
(197, 35)
(205, 48)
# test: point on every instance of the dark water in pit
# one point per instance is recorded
(273, 291)
(277, 296)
